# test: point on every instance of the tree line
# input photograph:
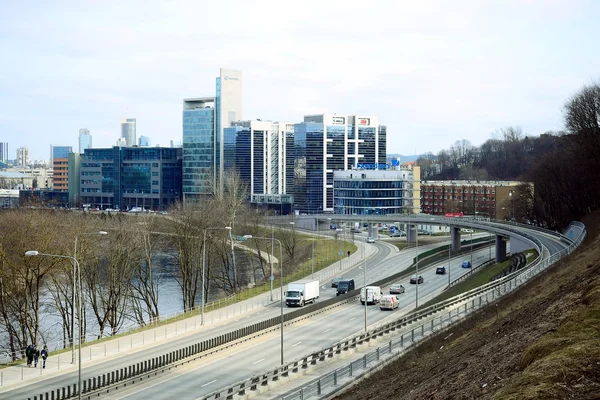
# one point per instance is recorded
(564, 166)
(122, 271)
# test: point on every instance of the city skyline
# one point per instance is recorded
(434, 73)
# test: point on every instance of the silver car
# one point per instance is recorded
(397, 288)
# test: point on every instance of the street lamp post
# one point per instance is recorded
(417, 267)
(37, 253)
(281, 281)
(100, 233)
(365, 282)
(449, 252)
(204, 266)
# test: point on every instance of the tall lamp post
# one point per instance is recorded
(100, 233)
(37, 253)
(281, 281)
(204, 265)
(417, 266)
(449, 252)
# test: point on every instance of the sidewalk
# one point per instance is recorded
(94, 353)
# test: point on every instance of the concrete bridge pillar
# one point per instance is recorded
(500, 249)
(455, 238)
(411, 233)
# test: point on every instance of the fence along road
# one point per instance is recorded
(152, 364)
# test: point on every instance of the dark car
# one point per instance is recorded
(415, 280)
(466, 264)
(345, 286)
(336, 280)
(440, 271)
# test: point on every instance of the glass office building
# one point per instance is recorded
(204, 131)
(370, 191)
(126, 177)
(262, 154)
(85, 140)
(332, 142)
(198, 146)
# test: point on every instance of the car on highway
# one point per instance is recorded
(370, 239)
(345, 286)
(416, 280)
(466, 264)
(336, 280)
(397, 234)
(397, 288)
(440, 271)
(389, 302)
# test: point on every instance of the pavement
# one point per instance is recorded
(99, 351)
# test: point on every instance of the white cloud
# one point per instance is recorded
(435, 72)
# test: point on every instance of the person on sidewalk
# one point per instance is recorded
(44, 354)
(36, 356)
(29, 354)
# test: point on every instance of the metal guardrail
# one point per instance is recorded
(186, 354)
(477, 297)
(397, 346)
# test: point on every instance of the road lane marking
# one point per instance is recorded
(327, 330)
(206, 384)
(296, 344)
(256, 362)
(352, 318)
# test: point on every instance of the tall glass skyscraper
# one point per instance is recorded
(4, 152)
(331, 142)
(198, 145)
(85, 140)
(144, 141)
(128, 131)
(204, 121)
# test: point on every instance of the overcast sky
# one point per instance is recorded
(434, 71)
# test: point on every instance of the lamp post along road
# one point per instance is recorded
(204, 266)
(281, 280)
(37, 253)
(100, 233)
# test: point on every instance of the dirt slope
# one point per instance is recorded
(542, 342)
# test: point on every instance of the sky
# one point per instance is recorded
(435, 72)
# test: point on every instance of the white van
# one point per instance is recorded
(374, 293)
(389, 302)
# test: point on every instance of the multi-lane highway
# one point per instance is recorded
(258, 355)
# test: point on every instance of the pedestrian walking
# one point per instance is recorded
(29, 354)
(36, 356)
(44, 354)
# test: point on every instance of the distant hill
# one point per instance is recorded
(402, 157)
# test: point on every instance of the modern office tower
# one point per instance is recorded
(204, 122)
(126, 177)
(85, 140)
(331, 142)
(369, 191)
(22, 159)
(4, 152)
(59, 156)
(198, 146)
(121, 142)
(74, 174)
(144, 141)
(262, 154)
(128, 131)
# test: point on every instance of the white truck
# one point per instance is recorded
(373, 294)
(301, 292)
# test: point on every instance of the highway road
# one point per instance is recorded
(305, 337)
(90, 370)
(259, 355)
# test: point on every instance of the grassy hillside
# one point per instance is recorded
(541, 342)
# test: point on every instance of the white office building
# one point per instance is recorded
(128, 131)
